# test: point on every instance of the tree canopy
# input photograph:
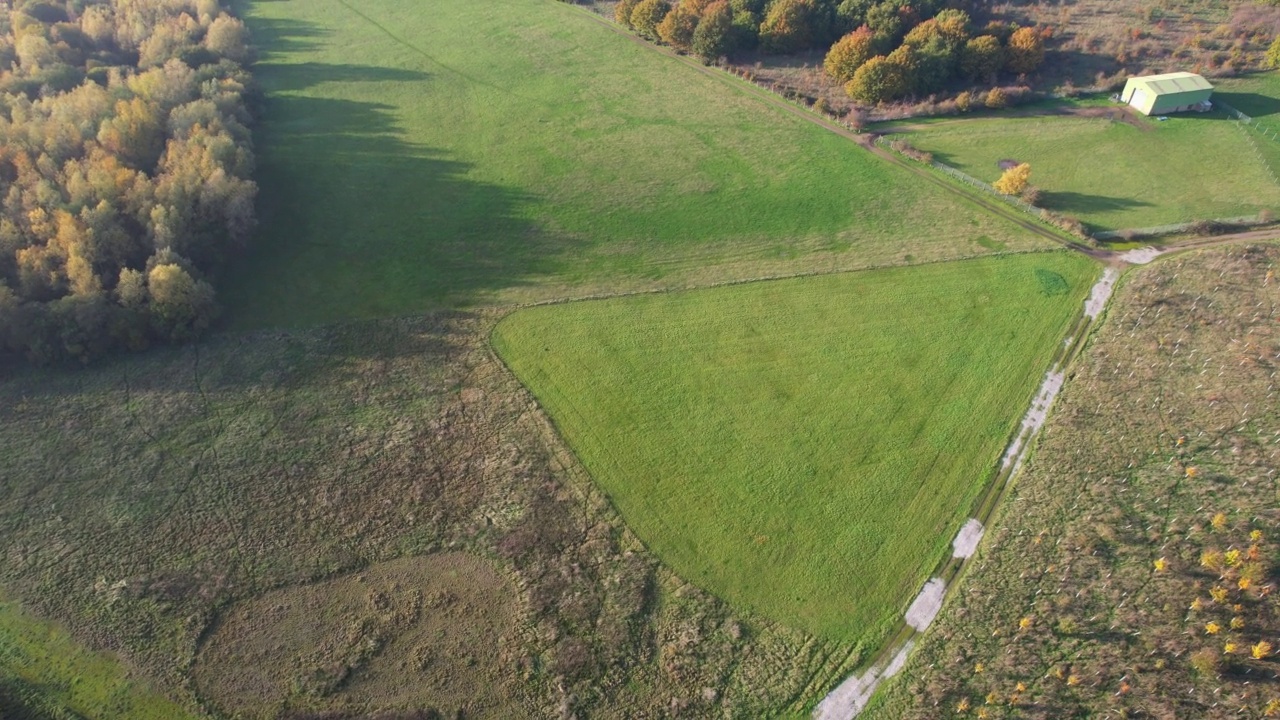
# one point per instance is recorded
(125, 163)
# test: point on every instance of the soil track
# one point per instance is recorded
(1122, 114)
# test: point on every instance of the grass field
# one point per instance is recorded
(804, 448)
(1256, 95)
(1113, 175)
(45, 672)
(1170, 422)
(413, 157)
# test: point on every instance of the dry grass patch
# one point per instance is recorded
(424, 633)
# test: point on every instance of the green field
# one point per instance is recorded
(804, 448)
(1113, 175)
(43, 670)
(1255, 95)
(416, 156)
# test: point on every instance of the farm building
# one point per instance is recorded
(1168, 93)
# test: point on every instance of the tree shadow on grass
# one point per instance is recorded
(1082, 203)
(355, 221)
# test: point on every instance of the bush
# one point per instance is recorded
(1273, 54)
(996, 99)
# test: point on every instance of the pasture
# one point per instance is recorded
(803, 448)
(1114, 175)
(415, 157)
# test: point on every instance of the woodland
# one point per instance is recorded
(125, 172)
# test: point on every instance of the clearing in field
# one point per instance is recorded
(416, 156)
(804, 448)
(1114, 175)
(444, 620)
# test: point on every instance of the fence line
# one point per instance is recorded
(1155, 230)
(1267, 132)
(1037, 213)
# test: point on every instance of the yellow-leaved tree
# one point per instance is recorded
(1014, 180)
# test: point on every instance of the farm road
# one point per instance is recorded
(1115, 114)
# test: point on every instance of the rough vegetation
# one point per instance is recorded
(124, 172)
(1132, 570)
(766, 439)
(150, 500)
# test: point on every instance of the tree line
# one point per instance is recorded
(125, 164)
(881, 50)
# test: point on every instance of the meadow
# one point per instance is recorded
(1113, 175)
(412, 158)
(803, 448)
(1095, 592)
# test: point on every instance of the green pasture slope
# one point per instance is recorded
(805, 448)
(1112, 175)
(418, 155)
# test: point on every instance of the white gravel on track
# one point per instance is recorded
(966, 542)
(853, 694)
(927, 604)
(1101, 292)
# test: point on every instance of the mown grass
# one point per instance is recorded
(804, 448)
(1170, 422)
(413, 157)
(1112, 175)
(1255, 95)
(45, 672)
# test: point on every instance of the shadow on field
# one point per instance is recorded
(356, 221)
(1252, 104)
(1074, 202)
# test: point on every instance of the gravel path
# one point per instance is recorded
(966, 542)
(854, 693)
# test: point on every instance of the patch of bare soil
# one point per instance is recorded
(430, 632)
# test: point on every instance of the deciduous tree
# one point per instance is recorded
(1025, 52)
(878, 80)
(1014, 180)
(981, 59)
(715, 36)
(646, 16)
(849, 53)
